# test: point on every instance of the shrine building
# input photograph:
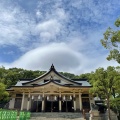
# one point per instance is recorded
(51, 92)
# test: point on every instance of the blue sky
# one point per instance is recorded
(36, 33)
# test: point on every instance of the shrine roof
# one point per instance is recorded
(69, 82)
(84, 83)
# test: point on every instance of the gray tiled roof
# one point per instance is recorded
(84, 83)
(19, 83)
(73, 82)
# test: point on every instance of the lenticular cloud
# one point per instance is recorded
(41, 58)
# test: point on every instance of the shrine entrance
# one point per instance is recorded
(51, 104)
(67, 104)
(36, 106)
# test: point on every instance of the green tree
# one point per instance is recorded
(12, 75)
(85, 76)
(69, 75)
(106, 84)
(3, 93)
(111, 41)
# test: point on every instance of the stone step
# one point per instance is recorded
(44, 118)
(56, 116)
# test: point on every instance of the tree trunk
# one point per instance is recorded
(108, 106)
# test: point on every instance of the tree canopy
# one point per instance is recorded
(106, 83)
(111, 41)
(12, 75)
(3, 93)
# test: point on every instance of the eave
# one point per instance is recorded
(52, 81)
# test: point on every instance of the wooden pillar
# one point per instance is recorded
(80, 101)
(23, 101)
(43, 102)
(60, 99)
(74, 101)
(28, 103)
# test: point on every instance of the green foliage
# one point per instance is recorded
(85, 76)
(3, 93)
(12, 75)
(111, 41)
(106, 81)
(115, 103)
(69, 75)
(106, 85)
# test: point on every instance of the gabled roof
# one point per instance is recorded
(34, 82)
(52, 68)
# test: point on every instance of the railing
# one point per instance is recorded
(14, 115)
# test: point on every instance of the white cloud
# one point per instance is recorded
(38, 14)
(51, 22)
(62, 56)
(15, 25)
(48, 30)
(41, 58)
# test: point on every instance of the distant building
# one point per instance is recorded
(51, 92)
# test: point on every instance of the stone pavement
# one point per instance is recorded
(56, 116)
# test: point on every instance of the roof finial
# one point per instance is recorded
(52, 67)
